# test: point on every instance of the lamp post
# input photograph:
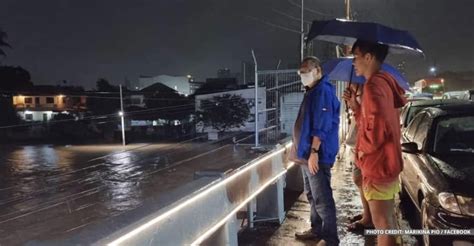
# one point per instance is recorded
(121, 114)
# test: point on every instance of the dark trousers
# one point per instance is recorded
(323, 209)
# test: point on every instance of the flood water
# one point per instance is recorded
(51, 191)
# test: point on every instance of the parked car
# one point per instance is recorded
(438, 174)
(453, 95)
(468, 95)
(420, 96)
(413, 107)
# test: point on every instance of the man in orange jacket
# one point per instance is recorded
(378, 150)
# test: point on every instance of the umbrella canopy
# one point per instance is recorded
(347, 32)
(341, 69)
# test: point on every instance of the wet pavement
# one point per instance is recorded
(348, 204)
(49, 192)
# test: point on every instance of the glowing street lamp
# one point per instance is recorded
(121, 116)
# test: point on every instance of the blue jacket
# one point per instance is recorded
(321, 119)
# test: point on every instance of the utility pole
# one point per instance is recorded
(348, 9)
(302, 31)
(122, 114)
(256, 99)
(348, 17)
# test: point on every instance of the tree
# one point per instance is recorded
(9, 114)
(104, 103)
(224, 112)
(104, 86)
(169, 104)
(14, 78)
(3, 43)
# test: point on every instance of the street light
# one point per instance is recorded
(433, 70)
(121, 116)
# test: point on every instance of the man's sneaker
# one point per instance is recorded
(306, 235)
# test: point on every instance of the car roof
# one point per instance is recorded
(465, 108)
(453, 92)
(436, 102)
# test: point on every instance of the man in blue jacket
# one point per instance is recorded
(315, 146)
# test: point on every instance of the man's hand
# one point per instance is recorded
(350, 98)
(313, 163)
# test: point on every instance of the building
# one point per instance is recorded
(43, 102)
(247, 73)
(224, 73)
(179, 83)
(195, 85)
(249, 96)
(290, 104)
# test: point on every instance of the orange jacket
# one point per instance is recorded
(378, 125)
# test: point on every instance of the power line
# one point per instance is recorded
(310, 10)
(273, 24)
(289, 16)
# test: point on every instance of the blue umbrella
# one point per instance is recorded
(341, 69)
(347, 32)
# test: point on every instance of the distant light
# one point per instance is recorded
(60, 95)
(189, 76)
(442, 80)
(432, 69)
(434, 86)
(120, 113)
(28, 112)
(136, 88)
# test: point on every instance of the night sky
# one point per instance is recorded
(82, 40)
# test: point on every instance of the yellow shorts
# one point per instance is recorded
(381, 192)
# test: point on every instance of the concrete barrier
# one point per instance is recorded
(208, 215)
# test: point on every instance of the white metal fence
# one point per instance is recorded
(284, 94)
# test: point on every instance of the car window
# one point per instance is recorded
(422, 130)
(454, 135)
(412, 111)
(411, 129)
(403, 112)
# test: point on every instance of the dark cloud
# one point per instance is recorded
(81, 41)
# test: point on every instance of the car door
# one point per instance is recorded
(409, 175)
(421, 176)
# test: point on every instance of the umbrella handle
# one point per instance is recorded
(349, 86)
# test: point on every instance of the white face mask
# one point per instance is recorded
(307, 78)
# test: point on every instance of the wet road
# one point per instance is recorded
(49, 192)
(348, 204)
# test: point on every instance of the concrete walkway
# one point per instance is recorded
(347, 204)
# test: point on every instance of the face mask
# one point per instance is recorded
(308, 78)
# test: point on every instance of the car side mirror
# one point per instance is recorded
(411, 148)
